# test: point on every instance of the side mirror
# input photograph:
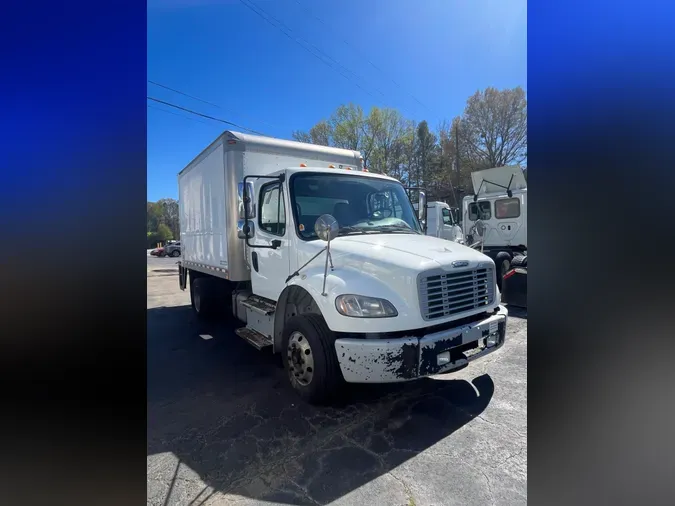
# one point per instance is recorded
(249, 198)
(245, 231)
(422, 206)
(422, 210)
(326, 227)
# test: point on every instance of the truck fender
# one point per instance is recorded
(294, 300)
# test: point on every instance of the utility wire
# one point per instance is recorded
(184, 94)
(204, 115)
(150, 106)
(365, 57)
(319, 54)
(201, 100)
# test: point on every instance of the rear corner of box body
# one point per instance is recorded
(202, 204)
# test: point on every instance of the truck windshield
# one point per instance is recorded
(360, 204)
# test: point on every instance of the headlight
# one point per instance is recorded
(359, 306)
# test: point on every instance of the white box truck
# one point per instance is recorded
(326, 264)
(495, 216)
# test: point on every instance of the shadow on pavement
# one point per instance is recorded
(227, 412)
(517, 311)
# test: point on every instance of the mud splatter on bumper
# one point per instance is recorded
(406, 358)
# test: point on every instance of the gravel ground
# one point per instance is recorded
(224, 427)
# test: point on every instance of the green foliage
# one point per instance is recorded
(491, 132)
(162, 221)
(164, 233)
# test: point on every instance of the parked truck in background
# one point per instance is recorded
(326, 264)
(495, 216)
(443, 222)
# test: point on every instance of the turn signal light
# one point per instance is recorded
(303, 165)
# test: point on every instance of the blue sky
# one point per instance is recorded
(438, 51)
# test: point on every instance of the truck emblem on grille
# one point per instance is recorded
(460, 263)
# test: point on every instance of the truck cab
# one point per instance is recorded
(443, 221)
(495, 216)
(329, 267)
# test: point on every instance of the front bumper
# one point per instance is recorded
(407, 358)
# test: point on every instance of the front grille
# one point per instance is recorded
(448, 293)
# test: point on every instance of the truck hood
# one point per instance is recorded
(482, 179)
(414, 252)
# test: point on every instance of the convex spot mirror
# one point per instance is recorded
(326, 227)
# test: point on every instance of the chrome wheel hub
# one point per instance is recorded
(300, 359)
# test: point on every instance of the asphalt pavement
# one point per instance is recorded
(224, 426)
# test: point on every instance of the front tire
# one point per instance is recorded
(308, 352)
(175, 253)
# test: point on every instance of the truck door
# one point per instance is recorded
(508, 220)
(270, 267)
(447, 231)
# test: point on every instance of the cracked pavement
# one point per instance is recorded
(224, 426)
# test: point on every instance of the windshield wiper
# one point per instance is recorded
(392, 229)
(347, 230)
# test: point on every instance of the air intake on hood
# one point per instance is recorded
(444, 294)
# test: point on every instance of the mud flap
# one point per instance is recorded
(182, 276)
(514, 288)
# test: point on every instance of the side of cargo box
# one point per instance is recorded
(208, 206)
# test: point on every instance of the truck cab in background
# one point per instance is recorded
(494, 218)
(443, 222)
(326, 264)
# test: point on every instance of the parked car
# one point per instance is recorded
(158, 252)
(172, 249)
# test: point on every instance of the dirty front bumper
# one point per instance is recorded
(406, 358)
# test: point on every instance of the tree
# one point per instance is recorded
(169, 209)
(390, 129)
(426, 141)
(301, 136)
(321, 133)
(164, 233)
(154, 216)
(347, 126)
(491, 132)
(494, 126)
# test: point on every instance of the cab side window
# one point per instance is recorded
(507, 208)
(272, 211)
(480, 210)
(446, 216)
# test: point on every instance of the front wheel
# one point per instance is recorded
(309, 358)
(175, 253)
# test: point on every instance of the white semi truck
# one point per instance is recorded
(326, 264)
(495, 216)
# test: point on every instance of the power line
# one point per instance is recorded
(202, 100)
(321, 56)
(184, 94)
(204, 115)
(306, 9)
(150, 106)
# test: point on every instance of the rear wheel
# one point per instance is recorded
(202, 296)
(519, 261)
(309, 358)
(503, 264)
(175, 253)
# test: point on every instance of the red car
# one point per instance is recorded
(157, 252)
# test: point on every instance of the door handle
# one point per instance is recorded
(254, 260)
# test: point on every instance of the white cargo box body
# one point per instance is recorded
(208, 194)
